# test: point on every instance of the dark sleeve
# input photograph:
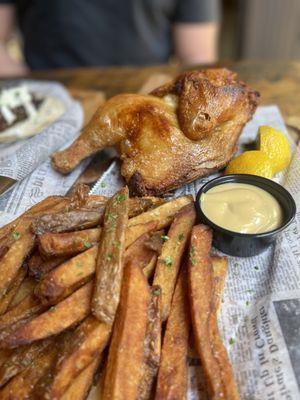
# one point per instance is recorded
(197, 11)
(7, 2)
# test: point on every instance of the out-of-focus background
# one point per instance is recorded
(248, 29)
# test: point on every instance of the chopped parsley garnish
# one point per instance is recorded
(51, 309)
(156, 291)
(193, 256)
(87, 244)
(120, 198)
(116, 244)
(256, 267)
(164, 238)
(103, 184)
(231, 341)
(79, 274)
(168, 261)
(247, 302)
(16, 235)
(111, 217)
(79, 264)
(109, 257)
(181, 237)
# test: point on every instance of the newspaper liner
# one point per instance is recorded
(27, 161)
(260, 314)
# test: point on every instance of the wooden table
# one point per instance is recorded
(278, 83)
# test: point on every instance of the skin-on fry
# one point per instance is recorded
(135, 231)
(38, 267)
(22, 385)
(168, 263)
(109, 266)
(20, 359)
(123, 370)
(88, 342)
(82, 384)
(64, 315)
(152, 346)
(138, 251)
(172, 374)
(67, 244)
(208, 342)
(150, 267)
(220, 268)
(68, 221)
(13, 259)
(27, 308)
(163, 214)
(66, 278)
(138, 205)
(9, 296)
(53, 202)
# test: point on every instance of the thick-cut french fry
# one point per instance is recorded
(20, 359)
(138, 205)
(13, 259)
(68, 221)
(64, 315)
(152, 347)
(150, 267)
(220, 267)
(38, 267)
(53, 202)
(22, 385)
(123, 370)
(81, 386)
(163, 214)
(138, 251)
(208, 342)
(134, 232)
(172, 375)
(11, 293)
(88, 342)
(109, 265)
(68, 277)
(168, 263)
(27, 308)
(69, 243)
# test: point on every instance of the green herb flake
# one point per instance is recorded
(156, 291)
(231, 341)
(51, 309)
(120, 198)
(168, 261)
(79, 264)
(193, 256)
(87, 244)
(236, 265)
(79, 274)
(16, 235)
(256, 267)
(103, 184)
(164, 238)
(247, 303)
(111, 217)
(181, 237)
(109, 257)
(117, 244)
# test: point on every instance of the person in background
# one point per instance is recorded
(79, 33)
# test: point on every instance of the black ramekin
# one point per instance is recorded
(246, 244)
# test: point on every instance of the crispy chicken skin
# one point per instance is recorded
(179, 132)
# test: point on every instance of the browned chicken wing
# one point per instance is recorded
(179, 132)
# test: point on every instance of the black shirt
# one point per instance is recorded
(72, 33)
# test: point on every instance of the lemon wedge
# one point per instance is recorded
(253, 162)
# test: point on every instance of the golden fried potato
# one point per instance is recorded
(218, 372)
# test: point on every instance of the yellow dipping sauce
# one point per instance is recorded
(240, 207)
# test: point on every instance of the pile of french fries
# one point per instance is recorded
(109, 292)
